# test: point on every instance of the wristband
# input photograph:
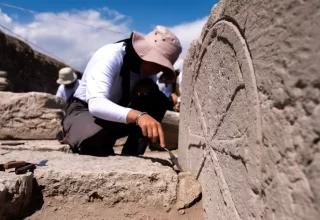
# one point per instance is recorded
(138, 116)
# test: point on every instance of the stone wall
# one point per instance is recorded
(250, 118)
(27, 69)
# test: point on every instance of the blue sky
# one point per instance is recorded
(185, 17)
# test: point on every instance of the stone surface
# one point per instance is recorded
(30, 115)
(112, 180)
(15, 194)
(33, 145)
(189, 190)
(249, 121)
(170, 126)
(27, 69)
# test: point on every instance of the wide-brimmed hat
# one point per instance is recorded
(160, 46)
(66, 76)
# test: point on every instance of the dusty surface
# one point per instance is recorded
(54, 210)
(250, 116)
(30, 115)
(84, 187)
(15, 194)
(33, 145)
(53, 145)
(112, 179)
(27, 69)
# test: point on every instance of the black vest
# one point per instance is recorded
(131, 61)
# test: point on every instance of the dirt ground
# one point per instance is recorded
(53, 209)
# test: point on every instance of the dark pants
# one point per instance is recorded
(89, 135)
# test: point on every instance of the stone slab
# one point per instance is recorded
(34, 145)
(112, 180)
(53, 145)
(249, 120)
(30, 115)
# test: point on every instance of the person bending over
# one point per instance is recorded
(111, 102)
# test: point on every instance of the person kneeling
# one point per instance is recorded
(115, 100)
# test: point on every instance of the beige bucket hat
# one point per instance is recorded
(160, 46)
(66, 76)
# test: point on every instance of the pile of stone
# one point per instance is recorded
(30, 116)
(4, 82)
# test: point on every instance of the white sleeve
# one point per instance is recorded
(180, 82)
(180, 86)
(60, 92)
(99, 84)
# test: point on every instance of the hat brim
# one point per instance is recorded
(66, 82)
(148, 53)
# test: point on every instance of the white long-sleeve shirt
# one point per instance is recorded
(101, 84)
(166, 89)
(180, 85)
(65, 93)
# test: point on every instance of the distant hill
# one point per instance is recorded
(28, 70)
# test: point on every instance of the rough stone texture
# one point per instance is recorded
(113, 179)
(15, 194)
(27, 69)
(30, 115)
(35, 145)
(189, 190)
(170, 126)
(250, 115)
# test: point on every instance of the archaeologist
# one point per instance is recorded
(115, 100)
(69, 83)
(4, 82)
(169, 89)
(176, 97)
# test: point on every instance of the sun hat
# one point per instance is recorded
(3, 74)
(66, 76)
(160, 46)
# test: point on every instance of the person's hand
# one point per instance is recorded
(151, 129)
(177, 107)
(174, 98)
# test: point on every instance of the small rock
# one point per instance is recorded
(15, 194)
(182, 212)
(189, 190)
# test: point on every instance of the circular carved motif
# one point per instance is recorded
(224, 124)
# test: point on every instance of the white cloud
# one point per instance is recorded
(187, 32)
(75, 35)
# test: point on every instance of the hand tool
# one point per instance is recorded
(11, 164)
(29, 167)
(174, 159)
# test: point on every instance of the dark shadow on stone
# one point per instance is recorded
(37, 201)
(195, 201)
